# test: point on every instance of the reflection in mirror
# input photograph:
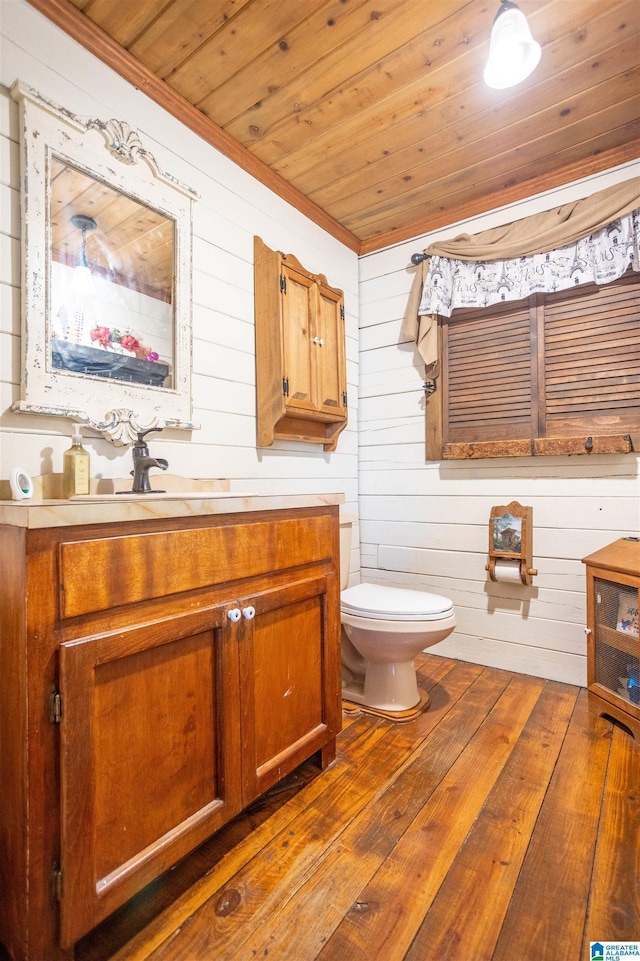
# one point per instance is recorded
(112, 281)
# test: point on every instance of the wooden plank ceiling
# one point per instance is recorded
(371, 116)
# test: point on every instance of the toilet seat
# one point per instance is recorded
(386, 603)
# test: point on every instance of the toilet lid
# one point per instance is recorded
(386, 603)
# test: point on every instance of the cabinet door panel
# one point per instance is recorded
(147, 768)
(330, 357)
(297, 306)
(289, 663)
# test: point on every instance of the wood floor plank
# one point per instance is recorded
(614, 906)
(401, 892)
(465, 918)
(328, 891)
(549, 902)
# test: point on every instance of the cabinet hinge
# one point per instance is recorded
(344, 399)
(341, 311)
(283, 284)
(55, 707)
(56, 883)
(285, 386)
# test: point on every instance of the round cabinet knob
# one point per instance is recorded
(321, 342)
(249, 613)
(234, 614)
(316, 340)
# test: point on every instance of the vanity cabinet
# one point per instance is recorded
(613, 650)
(300, 352)
(157, 676)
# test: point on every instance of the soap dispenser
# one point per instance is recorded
(75, 465)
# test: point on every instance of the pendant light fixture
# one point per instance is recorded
(82, 282)
(513, 53)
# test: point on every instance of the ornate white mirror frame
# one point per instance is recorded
(102, 372)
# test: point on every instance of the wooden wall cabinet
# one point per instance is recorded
(300, 352)
(157, 676)
(613, 651)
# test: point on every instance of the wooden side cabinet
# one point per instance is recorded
(613, 650)
(300, 352)
(156, 677)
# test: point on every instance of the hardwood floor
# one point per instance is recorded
(501, 825)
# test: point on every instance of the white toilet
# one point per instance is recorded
(384, 629)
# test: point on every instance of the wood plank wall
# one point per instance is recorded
(426, 525)
(231, 209)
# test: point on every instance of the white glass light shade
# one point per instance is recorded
(513, 53)
(82, 282)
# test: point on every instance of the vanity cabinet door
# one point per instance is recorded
(149, 763)
(289, 679)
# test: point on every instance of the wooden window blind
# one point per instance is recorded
(558, 373)
(488, 381)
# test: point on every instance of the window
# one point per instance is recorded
(558, 373)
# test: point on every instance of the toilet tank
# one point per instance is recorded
(346, 525)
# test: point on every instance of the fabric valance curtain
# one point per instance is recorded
(599, 259)
(593, 239)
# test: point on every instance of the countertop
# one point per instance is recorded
(111, 508)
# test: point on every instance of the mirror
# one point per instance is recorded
(106, 276)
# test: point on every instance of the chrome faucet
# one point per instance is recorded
(142, 463)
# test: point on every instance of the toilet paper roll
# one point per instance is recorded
(508, 571)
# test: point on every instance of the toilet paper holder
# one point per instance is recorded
(511, 538)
